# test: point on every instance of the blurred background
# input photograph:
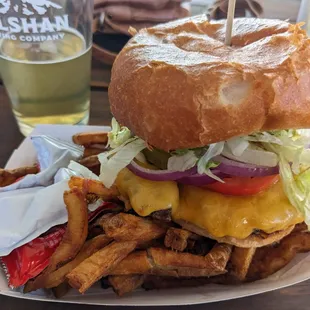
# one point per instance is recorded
(282, 9)
(112, 19)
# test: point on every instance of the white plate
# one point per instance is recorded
(297, 271)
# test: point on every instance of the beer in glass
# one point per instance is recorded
(45, 59)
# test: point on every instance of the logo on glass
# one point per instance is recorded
(28, 7)
(28, 21)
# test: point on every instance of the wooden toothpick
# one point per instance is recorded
(230, 21)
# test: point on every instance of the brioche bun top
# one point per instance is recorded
(177, 85)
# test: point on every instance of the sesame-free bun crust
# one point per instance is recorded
(177, 85)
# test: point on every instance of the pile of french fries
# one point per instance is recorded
(128, 251)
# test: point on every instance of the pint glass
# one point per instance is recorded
(45, 57)
(304, 14)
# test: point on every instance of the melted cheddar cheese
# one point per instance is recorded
(220, 215)
(147, 196)
(236, 216)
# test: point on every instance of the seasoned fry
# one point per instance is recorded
(8, 177)
(89, 138)
(72, 241)
(76, 232)
(268, 260)
(55, 278)
(90, 162)
(122, 227)
(61, 290)
(171, 263)
(91, 151)
(240, 261)
(126, 284)
(135, 263)
(95, 228)
(89, 248)
(99, 265)
(177, 239)
(164, 262)
(94, 187)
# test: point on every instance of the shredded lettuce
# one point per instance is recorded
(214, 150)
(254, 155)
(112, 162)
(118, 135)
(182, 162)
(141, 158)
(297, 188)
(264, 137)
(205, 163)
(292, 149)
(238, 145)
(212, 164)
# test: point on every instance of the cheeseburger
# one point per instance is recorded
(211, 135)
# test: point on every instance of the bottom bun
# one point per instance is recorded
(256, 240)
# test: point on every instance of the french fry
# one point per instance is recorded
(61, 290)
(170, 263)
(90, 161)
(177, 239)
(125, 284)
(89, 248)
(268, 260)
(8, 177)
(95, 227)
(135, 263)
(123, 227)
(76, 232)
(165, 262)
(93, 187)
(99, 265)
(89, 138)
(72, 241)
(91, 151)
(240, 261)
(55, 278)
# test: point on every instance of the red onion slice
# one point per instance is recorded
(201, 179)
(235, 168)
(159, 175)
(226, 168)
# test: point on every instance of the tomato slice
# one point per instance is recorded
(240, 186)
